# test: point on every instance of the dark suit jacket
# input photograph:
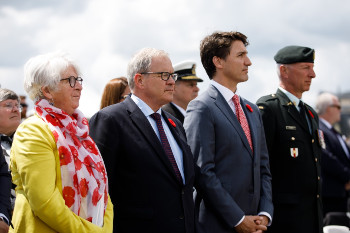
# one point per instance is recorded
(144, 189)
(295, 180)
(5, 187)
(335, 165)
(233, 180)
(173, 110)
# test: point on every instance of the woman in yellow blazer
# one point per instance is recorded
(61, 179)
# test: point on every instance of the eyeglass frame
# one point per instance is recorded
(76, 79)
(174, 76)
(10, 106)
(336, 106)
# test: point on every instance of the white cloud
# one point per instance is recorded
(103, 35)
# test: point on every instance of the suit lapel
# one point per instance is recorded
(145, 128)
(222, 104)
(292, 110)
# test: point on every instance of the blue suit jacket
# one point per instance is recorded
(335, 165)
(233, 180)
(144, 189)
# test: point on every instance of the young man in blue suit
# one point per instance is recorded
(226, 135)
(335, 157)
(149, 164)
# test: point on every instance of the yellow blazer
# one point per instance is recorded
(36, 171)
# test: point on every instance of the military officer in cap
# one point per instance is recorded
(185, 89)
(294, 144)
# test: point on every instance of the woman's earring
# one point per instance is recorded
(51, 102)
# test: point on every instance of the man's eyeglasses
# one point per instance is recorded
(336, 106)
(10, 106)
(73, 80)
(164, 75)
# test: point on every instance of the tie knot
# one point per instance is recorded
(301, 104)
(235, 99)
(155, 116)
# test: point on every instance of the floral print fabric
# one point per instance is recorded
(83, 173)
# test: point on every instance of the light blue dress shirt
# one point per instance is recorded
(175, 148)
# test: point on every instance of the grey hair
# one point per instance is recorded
(141, 62)
(45, 70)
(6, 94)
(324, 100)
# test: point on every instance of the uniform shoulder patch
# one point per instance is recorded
(266, 98)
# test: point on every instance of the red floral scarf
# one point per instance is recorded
(83, 173)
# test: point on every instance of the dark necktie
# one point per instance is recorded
(166, 145)
(242, 120)
(303, 115)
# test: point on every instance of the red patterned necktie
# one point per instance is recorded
(165, 144)
(242, 119)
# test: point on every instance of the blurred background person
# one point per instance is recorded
(60, 175)
(335, 161)
(24, 106)
(10, 118)
(185, 89)
(116, 90)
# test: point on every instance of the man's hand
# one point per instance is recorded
(347, 186)
(249, 225)
(4, 228)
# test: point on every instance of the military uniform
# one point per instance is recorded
(295, 165)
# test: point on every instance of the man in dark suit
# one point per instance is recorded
(227, 139)
(335, 157)
(185, 89)
(291, 129)
(149, 164)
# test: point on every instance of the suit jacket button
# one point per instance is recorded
(181, 217)
(316, 160)
(182, 192)
(318, 196)
(313, 140)
(318, 178)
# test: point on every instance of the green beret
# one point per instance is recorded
(293, 54)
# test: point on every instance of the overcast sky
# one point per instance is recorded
(102, 35)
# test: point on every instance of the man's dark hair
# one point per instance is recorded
(218, 44)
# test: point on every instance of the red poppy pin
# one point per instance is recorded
(172, 122)
(249, 108)
(312, 115)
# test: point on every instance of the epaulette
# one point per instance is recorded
(267, 98)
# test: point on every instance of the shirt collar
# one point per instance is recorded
(183, 111)
(291, 97)
(329, 126)
(146, 110)
(225, 92)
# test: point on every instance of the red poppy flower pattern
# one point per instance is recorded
(312, 115)
(90, 146)
(96, 196)
(68, 195)
(172, 122)
(83, 172)
(249, 108)
(65, 155)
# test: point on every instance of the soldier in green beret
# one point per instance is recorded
(294, 144)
